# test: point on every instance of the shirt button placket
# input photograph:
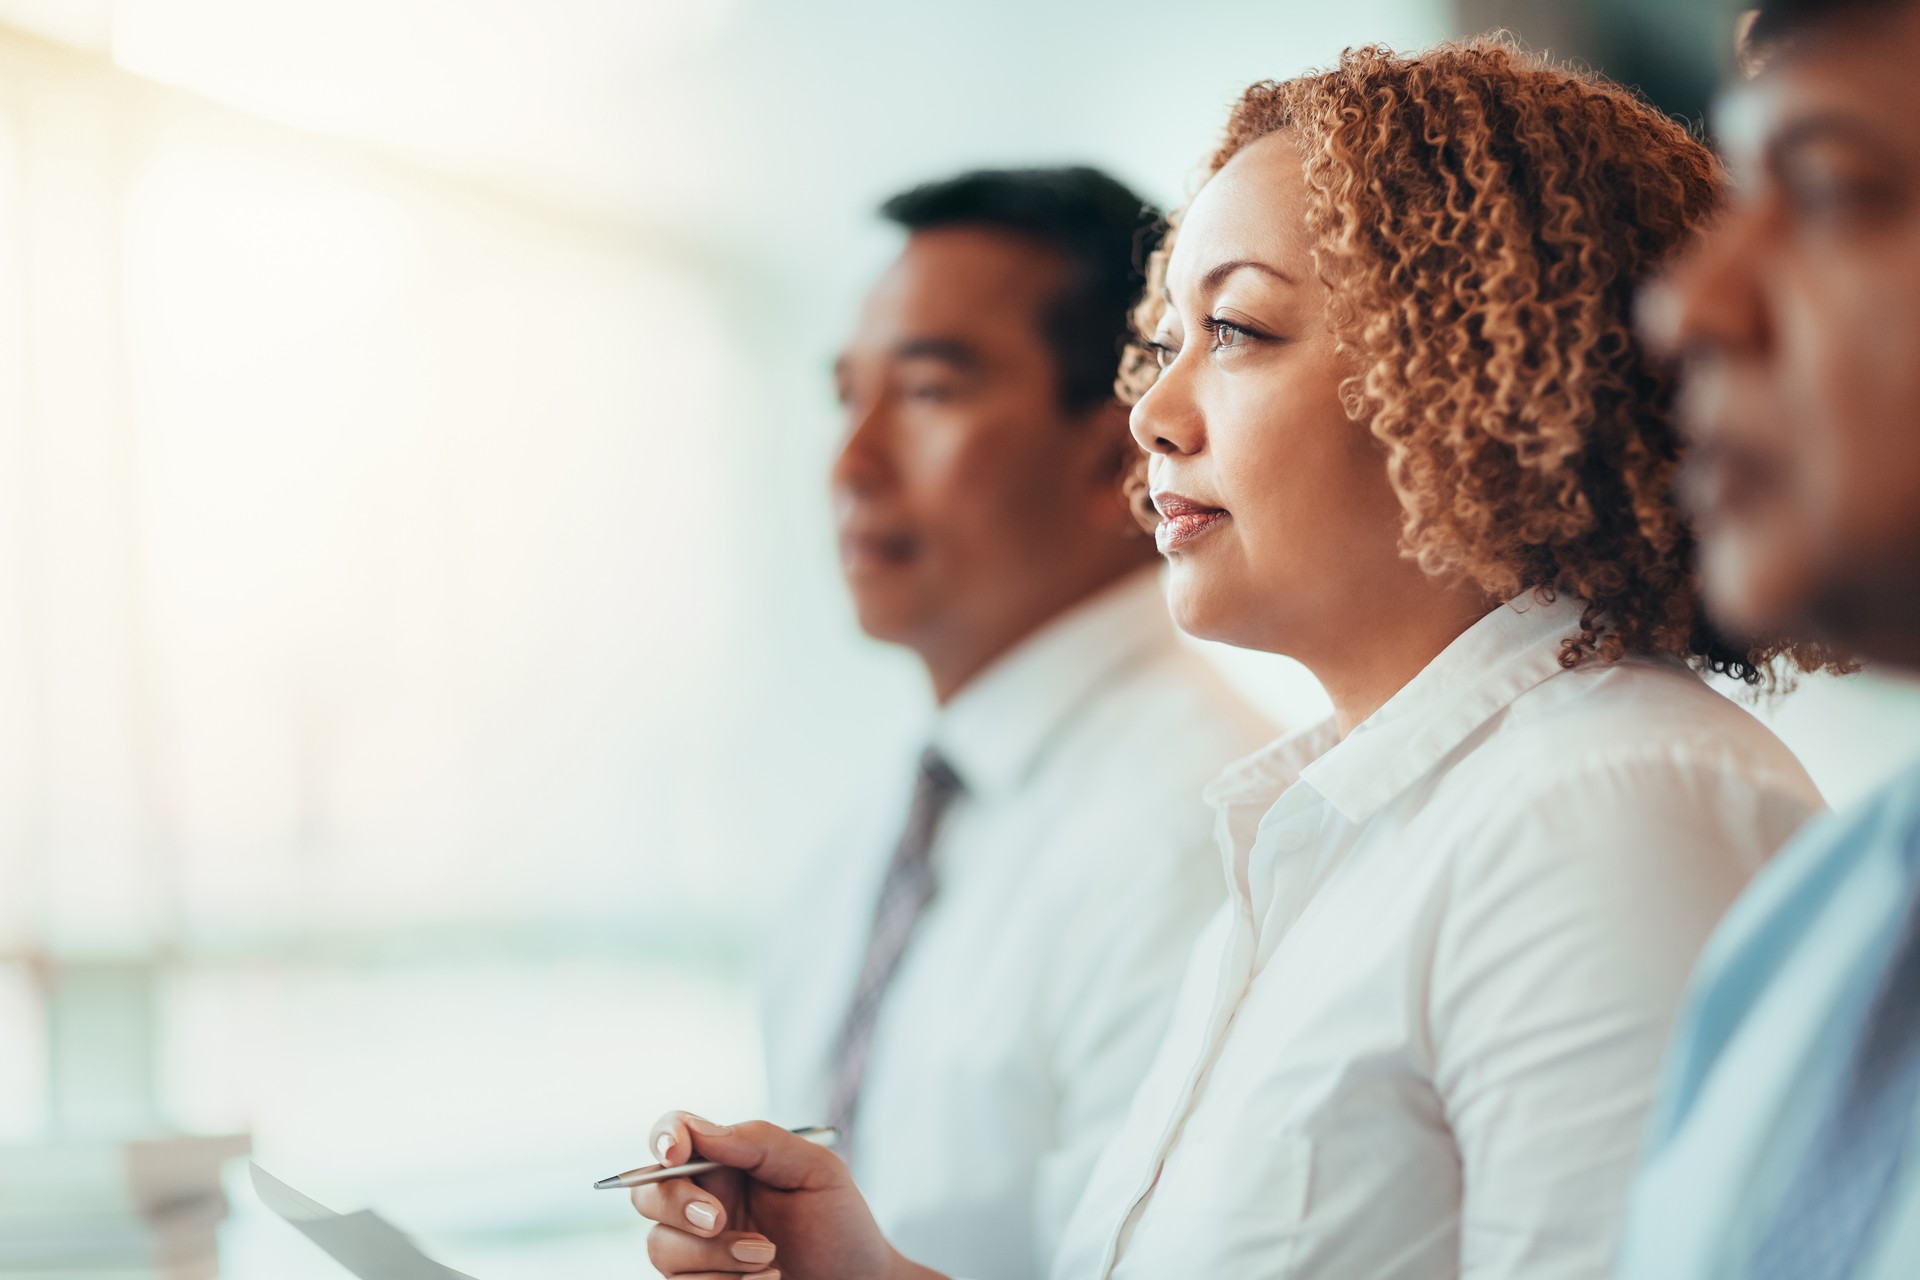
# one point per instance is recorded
(1236, 977)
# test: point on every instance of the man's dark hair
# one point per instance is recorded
(1102, 233)
(1776, 22)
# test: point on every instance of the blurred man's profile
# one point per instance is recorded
(1788, 1144)
(973, 981)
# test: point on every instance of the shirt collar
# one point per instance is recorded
(994, 731)
(1491, 663)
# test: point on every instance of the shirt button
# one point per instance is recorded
(1292, 841)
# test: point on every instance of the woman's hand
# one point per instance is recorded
(784, 1207)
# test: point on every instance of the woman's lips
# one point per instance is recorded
(1183, 521)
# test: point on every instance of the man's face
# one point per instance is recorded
(961, 483)
(1798, 324)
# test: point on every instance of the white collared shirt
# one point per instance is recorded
(1074, 873)
(1423, 1036)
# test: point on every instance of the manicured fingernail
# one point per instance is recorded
(764, 1275)
(753, 1250)
(663, 1144)
(701, 1215)
(707, 1128)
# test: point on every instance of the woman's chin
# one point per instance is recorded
(1198, 607)
(1208, 609)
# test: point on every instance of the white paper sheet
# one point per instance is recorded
(362, 1242)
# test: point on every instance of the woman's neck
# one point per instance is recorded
(1375, 657)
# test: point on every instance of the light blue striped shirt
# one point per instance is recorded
(1775, 1013)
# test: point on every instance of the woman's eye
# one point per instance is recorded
(1163, 354)
(1224, 335)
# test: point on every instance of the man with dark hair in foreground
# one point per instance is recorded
(972, 983)
(1787, 1145)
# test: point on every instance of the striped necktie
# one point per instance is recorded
(904, 897)
(1825, 1226)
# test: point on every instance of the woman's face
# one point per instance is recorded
(1277, 518)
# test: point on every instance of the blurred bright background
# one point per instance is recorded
(421, 647)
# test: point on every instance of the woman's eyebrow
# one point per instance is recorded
(1214, 278)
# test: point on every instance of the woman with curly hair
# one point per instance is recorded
(1398, 429)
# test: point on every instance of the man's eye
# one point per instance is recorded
(1841, 199)
(1826, 191)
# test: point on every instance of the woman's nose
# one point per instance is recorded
(1165, 419)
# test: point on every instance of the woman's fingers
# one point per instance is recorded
(772, 1156)
(823, 1226)
(675, 1252)
(683, 1204)
(668, 1141)
(765, 1152)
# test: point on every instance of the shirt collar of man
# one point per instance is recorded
(1509, 651)
(995, 731)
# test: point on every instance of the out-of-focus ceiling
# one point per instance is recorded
(716, 116)
(758, 132)
(766, 130)
(551, 98)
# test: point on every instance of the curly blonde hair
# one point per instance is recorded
(1482, 218)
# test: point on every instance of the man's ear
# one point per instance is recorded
(1111, 465)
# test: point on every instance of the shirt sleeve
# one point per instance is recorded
(1557, 973)
(1122, 958)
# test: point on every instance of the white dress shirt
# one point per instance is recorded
(1074, 872)
(1423, 1036)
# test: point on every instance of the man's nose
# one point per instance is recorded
(863, 464)
(1710, 300)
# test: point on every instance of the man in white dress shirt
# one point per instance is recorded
(975, 982)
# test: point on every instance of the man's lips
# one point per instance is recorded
(1183, 521)
(872, 549)
(1721, 478)
(1736, 456)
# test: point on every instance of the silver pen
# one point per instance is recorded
(822, 1134)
